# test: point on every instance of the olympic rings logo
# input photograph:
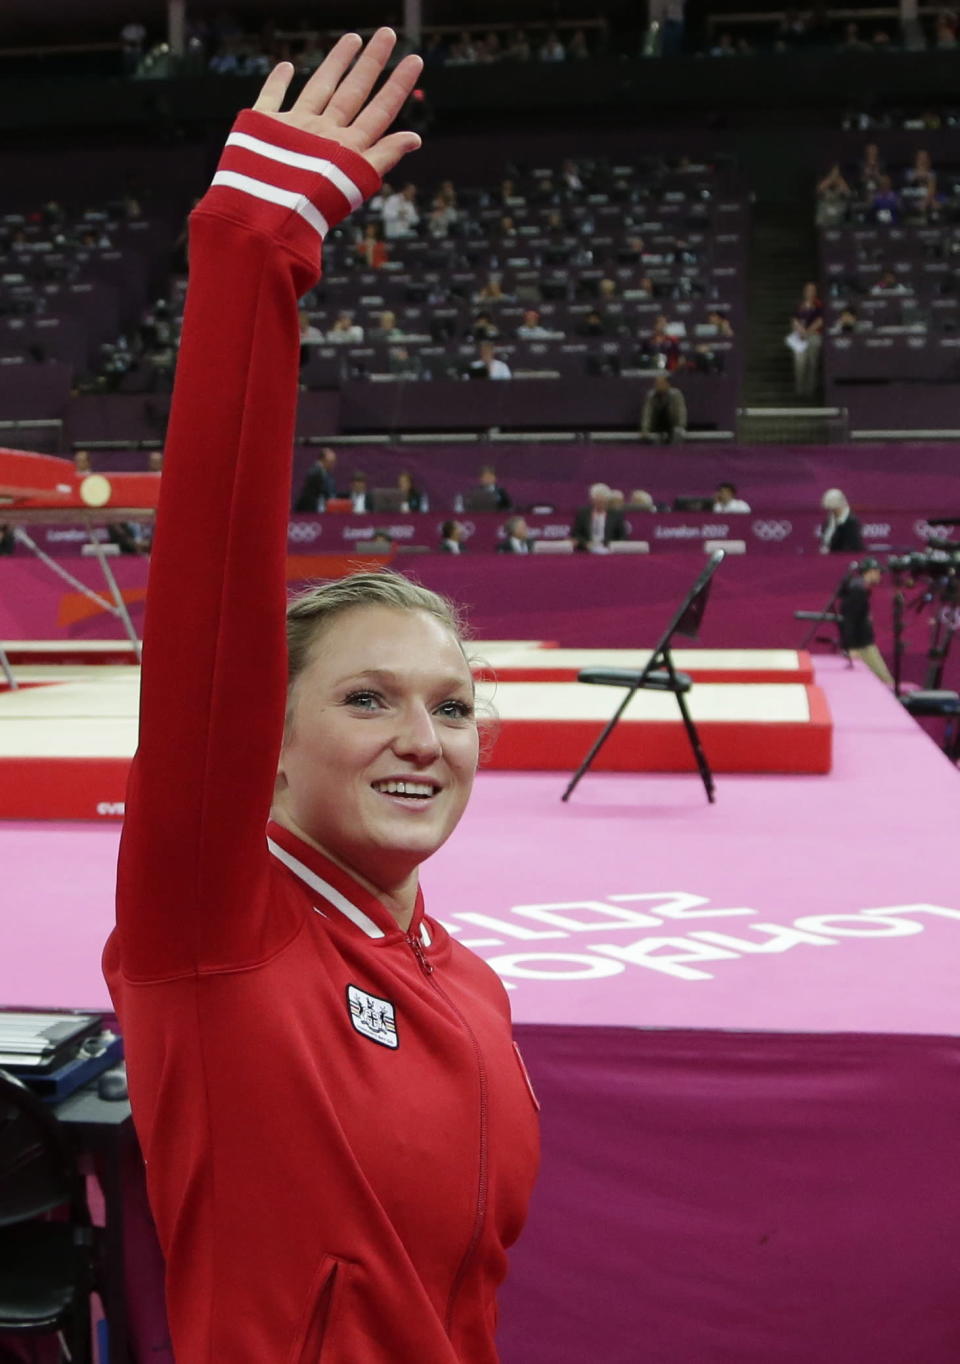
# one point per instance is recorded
(772, 530)
(927, 530)
(304, 532)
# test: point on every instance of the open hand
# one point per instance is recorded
(335, 103)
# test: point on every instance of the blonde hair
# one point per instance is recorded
(310, 611)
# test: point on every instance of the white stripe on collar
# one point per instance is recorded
(329, 893)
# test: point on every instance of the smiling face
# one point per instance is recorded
(381, 746)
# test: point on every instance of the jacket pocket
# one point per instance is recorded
(316, 1328)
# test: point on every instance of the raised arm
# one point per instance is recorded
(193, 858)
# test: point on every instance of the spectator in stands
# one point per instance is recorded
(872, 171)
(400, 214)
(386, 329)
(834, 197)
(309, 334)
(451, 538)
(319, 485)
(155, 462)
(487, 365)
(597, 524)
(571, 181)
(577, 49)
(945, 33)
(885, 203)
(443, 216)
(359, 494)
(518, 49)
(492, 292)
(806, 340)
(553, 49)
(345, 331)
(411, 498)
(664, 416)
(722, 323)
(852, 42)
(888, 284)
(404, 363)
(133, 35)
(484, 328)
(531, 328)
(462, 52)
(846, 324)
(841, 532)
(661, 346)
(371, 249)
(516, 537)
(607, 290)
(726, 501)
(921, 185)
(488, 485)
(594, 324)
(724, 46)
(81, 464)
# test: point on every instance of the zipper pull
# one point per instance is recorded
(416, 946)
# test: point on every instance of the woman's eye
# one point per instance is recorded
(362, 700)
(456, 710)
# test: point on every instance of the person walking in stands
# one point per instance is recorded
(664, 416)
(340, 1138)
(841, 532)
(806, 341)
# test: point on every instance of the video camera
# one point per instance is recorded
(941, 559)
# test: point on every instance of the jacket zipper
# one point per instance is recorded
(416, 946)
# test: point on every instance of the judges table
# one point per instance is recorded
(761, 532)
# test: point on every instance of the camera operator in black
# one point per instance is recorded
(856, 624)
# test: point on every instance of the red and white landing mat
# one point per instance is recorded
(511, 661)
(757, 727)
(79, 652)
(66, 744)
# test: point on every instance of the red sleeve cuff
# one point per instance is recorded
(285, 181)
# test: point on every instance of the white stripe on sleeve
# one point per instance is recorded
(317, 164)
(286, 198)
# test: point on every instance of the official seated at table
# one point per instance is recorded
(516, 537)
(598, 523)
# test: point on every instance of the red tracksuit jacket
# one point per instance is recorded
(339, 1135)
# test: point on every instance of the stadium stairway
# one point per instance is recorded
(783, 256)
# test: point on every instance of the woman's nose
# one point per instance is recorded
(417, 736)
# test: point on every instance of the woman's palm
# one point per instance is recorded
(336, 102)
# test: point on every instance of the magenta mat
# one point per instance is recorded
(742, 1023)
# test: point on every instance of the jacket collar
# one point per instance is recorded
(344, 899)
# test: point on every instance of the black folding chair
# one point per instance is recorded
(47, 1264)
(659, 675)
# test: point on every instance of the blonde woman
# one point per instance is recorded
(339, 1135)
